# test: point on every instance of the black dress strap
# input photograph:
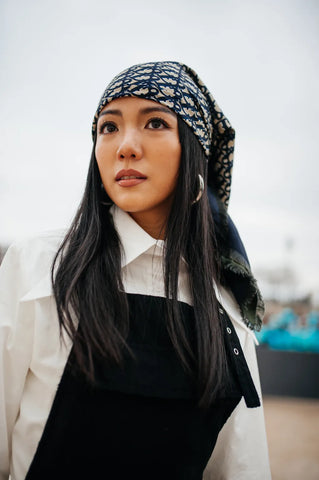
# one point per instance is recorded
(238, 361)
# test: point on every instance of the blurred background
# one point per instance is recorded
(260, 60)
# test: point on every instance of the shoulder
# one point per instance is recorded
(34, 252)
(42, 240)
(28, 261)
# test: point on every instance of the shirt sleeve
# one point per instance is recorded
(241, 451)
(15, 350)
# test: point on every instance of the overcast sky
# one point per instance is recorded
(260, 61)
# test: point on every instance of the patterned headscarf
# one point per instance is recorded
(178, 87)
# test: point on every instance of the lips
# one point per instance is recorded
(129, 178)
(130, 173)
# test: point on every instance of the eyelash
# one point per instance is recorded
(111, 124)
(157, 119)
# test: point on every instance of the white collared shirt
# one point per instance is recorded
(33, 356)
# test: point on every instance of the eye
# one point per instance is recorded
(156, 124)
(107, 127)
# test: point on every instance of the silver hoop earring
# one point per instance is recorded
(201, 189)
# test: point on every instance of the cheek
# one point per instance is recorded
(99, 154)
(101, 160)
(173, 161)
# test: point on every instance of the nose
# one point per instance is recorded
(130, 146)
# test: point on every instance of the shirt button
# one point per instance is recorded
(221, 310)
(236, 352)
(228, 330)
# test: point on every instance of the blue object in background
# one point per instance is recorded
(285, 332)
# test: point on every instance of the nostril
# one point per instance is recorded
(125, 153)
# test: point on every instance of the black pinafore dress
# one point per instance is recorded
(141, 420)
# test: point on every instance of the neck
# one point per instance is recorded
(155, 227)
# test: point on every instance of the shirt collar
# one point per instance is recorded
(134, 239)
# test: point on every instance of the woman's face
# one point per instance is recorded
(138, 154)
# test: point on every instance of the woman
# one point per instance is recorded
(136, 357)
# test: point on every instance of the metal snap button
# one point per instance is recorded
(228, 330)
(236, 352)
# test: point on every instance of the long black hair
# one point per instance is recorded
(88, 289)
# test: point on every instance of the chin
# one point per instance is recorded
(131, 207)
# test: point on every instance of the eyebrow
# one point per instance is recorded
(143, 111)
(158, 109)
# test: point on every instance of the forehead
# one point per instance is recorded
(136, 103)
